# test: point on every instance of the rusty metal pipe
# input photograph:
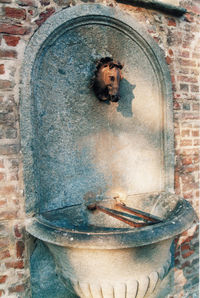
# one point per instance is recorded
(119, 217)
(141, 214)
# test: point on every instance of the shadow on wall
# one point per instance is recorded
(43, 269)
(127, 96)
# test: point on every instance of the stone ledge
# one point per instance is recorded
(162, 5)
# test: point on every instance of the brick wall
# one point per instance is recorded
(180, 40)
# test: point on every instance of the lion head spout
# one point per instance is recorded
(107, 79)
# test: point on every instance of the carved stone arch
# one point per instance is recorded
(67, 28)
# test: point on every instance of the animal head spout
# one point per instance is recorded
(107, 79)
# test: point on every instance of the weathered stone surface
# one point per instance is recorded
(51, 286)
(83, 144)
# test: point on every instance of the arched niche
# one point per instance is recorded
(72, 142)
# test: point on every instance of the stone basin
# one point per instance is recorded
(104, 257)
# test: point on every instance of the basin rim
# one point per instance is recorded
(179, 220)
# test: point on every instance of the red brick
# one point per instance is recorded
(18, 232)
(184, 62)
(195, 133)
(184, 71)
(2, 69)
(2, 176)
(170, 51)
(15, 265)
(177, 132)
(195, 107)
(191, 116)
(177, 254)
(194, 8)
(3, 202)
(168, 60)
(1, 163)
(9, 214)
(3, 279)
(187, 79)
(196, 55)
(196, 125)
(8, 54)
(188, 254)
(185, 264)
(187, 161)
(189, 187)
(4, 254)
(196, 158)
(187, 44)
(195, 71)
(17, 289)
(185, 133)
(176, 182)
(186, 124)
(177, 262)
(194, 88)
(177, 106)
(6, 190)
(15, 13)
(186, 143)
(45, 15)
(187, 178)
(11, 40)
(185, 54)
(14, 29)
(197, 142)
(172, 23)
(173, 79)
(185, 247)
(4, 242)
(20, 249)
(188, 195)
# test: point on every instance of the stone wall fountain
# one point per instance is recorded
(82, 145)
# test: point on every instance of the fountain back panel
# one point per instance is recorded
(73, 142)
(77, 147)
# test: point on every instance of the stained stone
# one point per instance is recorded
(72, 142)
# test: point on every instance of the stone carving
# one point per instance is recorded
(132, 288)
(107, 79)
